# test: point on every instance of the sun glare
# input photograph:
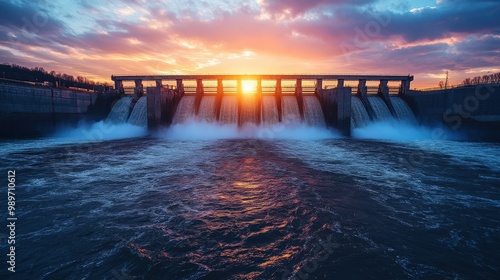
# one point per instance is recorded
(248, 87)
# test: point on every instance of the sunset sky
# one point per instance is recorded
(96, 39)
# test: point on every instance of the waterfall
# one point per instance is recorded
(248, 109)
(185, 110)
(269, 110)
(207, 109)
(403, 111)
(359, 116)
(290, 110)
(139, 115)
(229, 110)
(120, 111)
(379, 108)
(313, 114)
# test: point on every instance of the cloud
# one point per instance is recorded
(294, 8)
(239, 31)
(383, 25)
(362, 36)
(26, 17)
(460, 17)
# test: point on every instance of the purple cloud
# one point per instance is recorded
(316, 35)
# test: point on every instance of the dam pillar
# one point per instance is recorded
(340, 83)
(298, 95)
(199, 95)
(259, 87)
(239, 94)
(259, 100)
(277, 95)
(180, 86)
(405, 87)
(154, 107)
(383, 92)
(336, 106)
(239, 87)
(362, 90)
(319, 86)
(199, 87)
(218, 98)
(158, 83)
(139, 89)
(298, 87)
(119, 86)
(362, 93)
(383, 89)
(161, 104)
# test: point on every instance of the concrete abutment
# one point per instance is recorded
(336, 105)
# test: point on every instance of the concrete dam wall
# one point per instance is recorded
(473, 110)
(33, 111)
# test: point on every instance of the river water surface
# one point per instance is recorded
(339, 208)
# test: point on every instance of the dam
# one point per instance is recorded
(340, 102)
(226, 177)
(271, 99)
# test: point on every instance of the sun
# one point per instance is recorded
(248, 87)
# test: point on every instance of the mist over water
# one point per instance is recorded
(232, 125)
(200, 130)
(403, 127)
(401, 131)
(101, 131)
(125, 121)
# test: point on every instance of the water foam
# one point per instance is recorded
(401, 131)
(101, 131)
(199, 130)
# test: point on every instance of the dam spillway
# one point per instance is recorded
(208, 110)
(138, 115)
(269, 110)
(229, 110)
(379, 108)
(471, 110)
(269, 99)
(248, 110)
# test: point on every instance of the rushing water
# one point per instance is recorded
(207, 111)
(290, 110)
(270, 114)
(403, 111)
(185, 109)
(379, 108)
(163, 208)
(229, 110)
(313, 115)
(359, 116)
(249, 109)
(139, 115)
(293, 200)
(120, 111)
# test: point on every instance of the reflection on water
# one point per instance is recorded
(256, 209)
(239, 219)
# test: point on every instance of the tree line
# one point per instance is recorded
(485, 79)
(42, 76)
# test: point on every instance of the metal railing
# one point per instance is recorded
(454, 86)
